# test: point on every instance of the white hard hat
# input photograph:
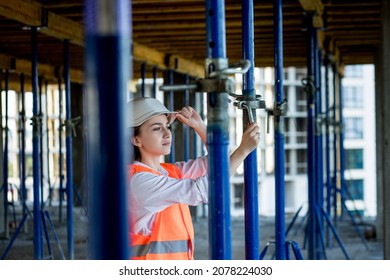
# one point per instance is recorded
(141, 109)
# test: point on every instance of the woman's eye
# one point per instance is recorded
(156, 129)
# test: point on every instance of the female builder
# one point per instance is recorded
(160, 221)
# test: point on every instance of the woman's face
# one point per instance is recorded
(155, 137)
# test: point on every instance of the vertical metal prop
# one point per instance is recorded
(318, 145)
(252, 239)
(143, 77)
(342, 150)
(311, 163)
(38, 240)
(48, 146)
(69, 155)
(327, 148)
(171, 107)
(60, 158)
(280, 226)
(40, 113)
(22, 154)
(107, 73)
(154, 91)
(186, 128)
(218, 137)
(335, 145)
(5, 160)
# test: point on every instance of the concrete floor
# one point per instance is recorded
(23, 248)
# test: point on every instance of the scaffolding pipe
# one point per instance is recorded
(69, 155)
(328, 205)
(280, 226)
(48, 146)
(185, 127)
(311, 162)
(143, 77)
(218, 136)
(60, 159)
(5, 159)
(319, 145)
(171, 107)
(342, 150)
(22, 153)
(335, 145)
(40, 112)
(107, 72)
(38, 239)
(154, 91)
(252, 236)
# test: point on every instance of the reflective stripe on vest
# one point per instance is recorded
(160, 247)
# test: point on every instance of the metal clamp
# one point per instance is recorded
(70, 125)
(310, 87)
(240, 67)
(204, 85)
(248, 103)
(280, 110)
(217, 77)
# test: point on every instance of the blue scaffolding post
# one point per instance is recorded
(335, 146)
(218, 136)
(69, 164)
(107, 73)
(40, 113)
(342, 150)
(252, 234)
(36, 122)
(48, 147)
(278, 112)
(22, 144)
(185, 127)
(328, 187)
(311, 33)
(5, 159)
(143, 77)
(319, 147)
(60, 158)
(154, 91)
(171, 107)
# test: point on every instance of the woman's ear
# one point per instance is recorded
(135, 141)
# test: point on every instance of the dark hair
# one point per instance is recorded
(136, 156)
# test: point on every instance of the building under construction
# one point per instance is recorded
(68, 68)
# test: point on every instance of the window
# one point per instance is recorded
(354, 159)
(353, 97)
(301, 73)
(301, 99)
(301, 161)
(354, 71)
(353, 128)
(239, 195)
(355, 189)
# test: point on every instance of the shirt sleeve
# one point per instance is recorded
(193, 168)
(154, 192)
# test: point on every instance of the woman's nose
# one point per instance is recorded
(167, 132)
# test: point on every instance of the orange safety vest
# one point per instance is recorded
(172, 235)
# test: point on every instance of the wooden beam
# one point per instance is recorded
(45, 70)
(29, 13)
(316, 6)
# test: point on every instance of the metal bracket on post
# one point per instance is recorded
(249, 103)
(280, 110)
(217, 80)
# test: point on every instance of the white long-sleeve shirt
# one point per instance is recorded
(150, 193)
